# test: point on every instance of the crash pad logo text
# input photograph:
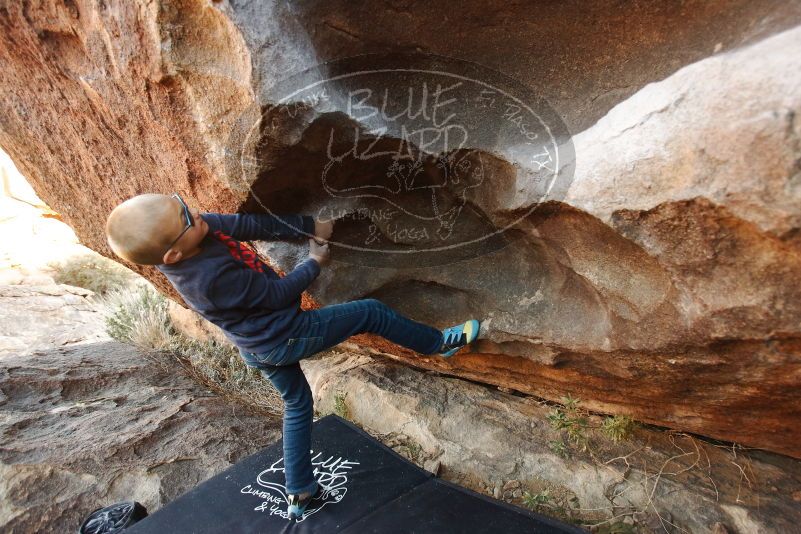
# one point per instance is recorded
(331, 473)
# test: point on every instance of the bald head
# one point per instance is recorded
(140, 229)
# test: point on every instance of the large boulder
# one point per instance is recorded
(656, 281)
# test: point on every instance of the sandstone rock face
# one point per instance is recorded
(660, 281)
(88, 424)
(500, 444)
(65, 316)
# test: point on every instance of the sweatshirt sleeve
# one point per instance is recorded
(261, 226)
(244, 288)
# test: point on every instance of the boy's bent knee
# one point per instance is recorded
(378, 305)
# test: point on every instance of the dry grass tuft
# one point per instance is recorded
(138, 316)
(93, 272)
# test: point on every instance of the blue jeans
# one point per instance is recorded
(312, 332)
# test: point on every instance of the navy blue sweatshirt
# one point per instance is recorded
(228, 285)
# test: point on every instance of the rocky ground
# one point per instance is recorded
(86, 421)
(87, 425)
(502, 444)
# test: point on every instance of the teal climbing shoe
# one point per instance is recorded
(297, 505)
(456, 337)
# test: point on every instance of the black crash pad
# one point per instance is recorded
(369, 488)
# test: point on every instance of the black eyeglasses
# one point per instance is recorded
(190, 221)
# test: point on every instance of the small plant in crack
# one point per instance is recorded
(575, 422)
(535, 501)
(559, 448)
(573, 419)
(340, 408)
(618, 427)
(555, 502)
(414, 451)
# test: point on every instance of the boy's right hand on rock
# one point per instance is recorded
(319, 252)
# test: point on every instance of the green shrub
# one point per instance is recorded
(571, 418)
(534, 501)
(618, 427)
(92, 272)
(559, 448)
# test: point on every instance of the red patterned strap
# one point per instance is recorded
(241, 251)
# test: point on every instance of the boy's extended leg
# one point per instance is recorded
(326, 327)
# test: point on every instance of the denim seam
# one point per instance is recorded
(265, 360)
(289, 343)
(343, 315)
(337, 317)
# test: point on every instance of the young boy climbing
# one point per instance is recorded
(224, 281)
